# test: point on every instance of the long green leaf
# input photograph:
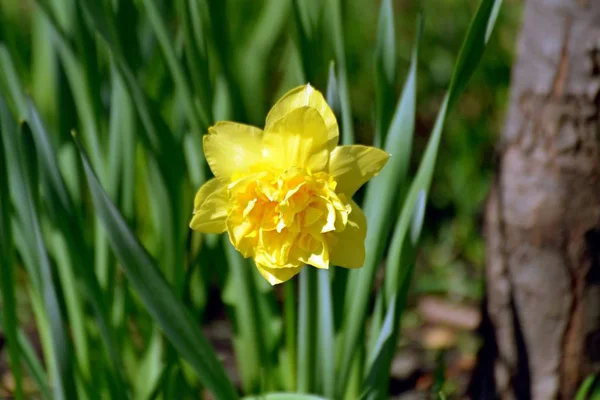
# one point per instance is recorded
(241, 293)
(401, 257)
(198, 123)
(589, 389)
(375, 387)
(63, 215)
(380, 201)
(32, 362)
(385, 70)
(307, 330)
(285, 396)
(412, 213)
(337, 34)
(154, 292)
(7, 277)
(326, 334)
(22, 193)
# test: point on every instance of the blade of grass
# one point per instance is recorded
(7, 279)
(160, 300)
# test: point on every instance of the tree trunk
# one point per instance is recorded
(543, 214)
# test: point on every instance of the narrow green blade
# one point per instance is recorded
(285, 396)
(22, 194)
(307, 330)
(380, 202)
(326, 334)
(385, 71)
(7, 277)
(154, 292)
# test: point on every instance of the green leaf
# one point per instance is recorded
(291, 330)
(412, 213)
(32, 362)
(589, 389)
(333, 91)
(385, 70)
(196, 48)
(7, 277)
(10, 83)
(284, 396)
(307, 330)
(64, 217)
(337, 35)
(154, 292)
(22, 195)
(383, 193)
(197, 123)
(400, 258)
(375, 386)
(326, 334)
(250, 333)
(473, 47)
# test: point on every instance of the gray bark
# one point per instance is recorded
(543, 214)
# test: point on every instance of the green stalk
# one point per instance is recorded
(326, 334)
(250, 339)
(307, 328)
(291, 326)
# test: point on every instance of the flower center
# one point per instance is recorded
(283, 219)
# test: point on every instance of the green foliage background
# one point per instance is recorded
(257, 51)
(453, 244)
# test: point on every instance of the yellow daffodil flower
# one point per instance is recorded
(284, 195)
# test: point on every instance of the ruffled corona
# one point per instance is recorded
(284, 195)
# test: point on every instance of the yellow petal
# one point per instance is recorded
(210, 186)
(210, 208)
(352, 166)
(230, 147)
(299, 139)
(277, 275)
(348, 249)
(301, 96)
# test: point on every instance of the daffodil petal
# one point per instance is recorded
(348, 248)
(302, 96)
(230, 147)
(299, 139)
(277, 275)
(210, 213)
(352, 166)
(209, 187)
